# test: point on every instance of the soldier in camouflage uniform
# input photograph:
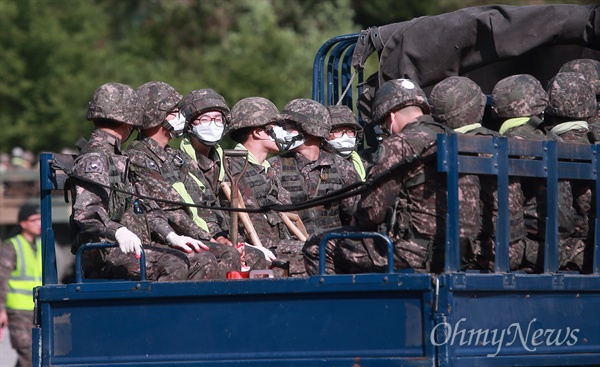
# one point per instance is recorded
(459, 103)
(306, 170)
(20, 272)
(591, 71)
(206, 115)
(101, 214)
(519, 100)
(252, 123)
(408, 203)
(344, 135)
(572, 102)
(157, 173)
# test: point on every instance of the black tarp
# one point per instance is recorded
(485, 43)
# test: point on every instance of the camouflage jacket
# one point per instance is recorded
(211, 166)
(582, 190)
(415, 193)
(155, 171)
(316, 180)
(535, 197)
(260, 187)
(201, 177)
(489, 200)
(91, 217)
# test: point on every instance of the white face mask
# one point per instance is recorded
(210, 134)
(176, 125)
(343, 145)
(286, 140)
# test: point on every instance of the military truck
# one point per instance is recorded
(396, 318)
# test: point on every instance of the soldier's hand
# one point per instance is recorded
(223, 240)
(3, 323)
(3, 320)
(128, 242)
(185, 243)
(266, 252)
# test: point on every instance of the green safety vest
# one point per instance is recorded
(26, 275)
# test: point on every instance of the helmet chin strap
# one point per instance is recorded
(293, 140)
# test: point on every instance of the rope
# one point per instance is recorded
(347, 88)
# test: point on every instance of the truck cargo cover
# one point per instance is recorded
(485, 43)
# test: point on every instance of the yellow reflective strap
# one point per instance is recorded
(358, 165)
(180, 188)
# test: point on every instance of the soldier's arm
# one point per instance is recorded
(90, 208)
(164, 218)
(8, 260)
(349, 176)
(373, 205)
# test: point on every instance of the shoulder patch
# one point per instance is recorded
(151, 164)
(94, 166)
(378, 153)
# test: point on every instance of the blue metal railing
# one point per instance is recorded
(341, 48)
(494, 156)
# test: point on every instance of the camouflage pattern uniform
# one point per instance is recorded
(459, 103)
(591, 71)
(520, 99)
(306, 179)
(409, 205)
(99, 212)
(342, 116)
(157, 172)
(259, 186)
(194, 104)
(572, 101)
(152, 165)
(202, 175)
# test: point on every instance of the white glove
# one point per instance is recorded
(268, 254)
(128, 241)
(185, 243)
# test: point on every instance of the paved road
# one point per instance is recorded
(8, 357)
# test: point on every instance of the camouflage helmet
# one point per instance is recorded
(342, 115)
(520, 95)
(457, 101)
(588, 67)
(397, 94)
(311, 116)
(117, 102)
(157, 99)
(201, 101)
(252, 112)
(571, 96)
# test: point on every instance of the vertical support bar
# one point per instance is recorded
(596, 245)
(452, 214)
(551, 245)
(318, 92)
(36, 339)
(49, 272)
(502, 263)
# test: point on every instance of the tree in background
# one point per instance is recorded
(54, 54)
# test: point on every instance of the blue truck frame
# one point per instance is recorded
(397, 318)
